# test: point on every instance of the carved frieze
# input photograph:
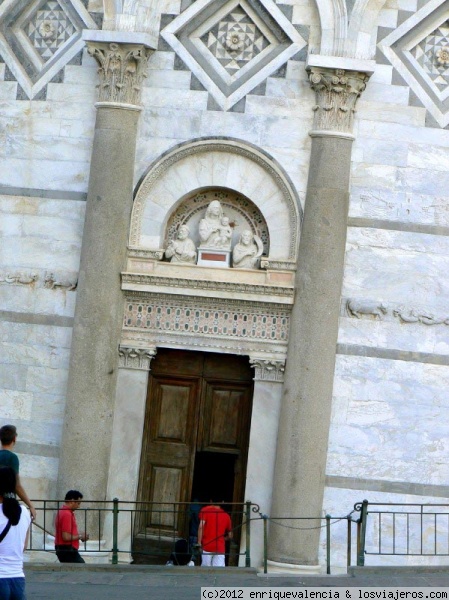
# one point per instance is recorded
(268, 369)
(234, 287)
(122, 69)
(53, 282)
(336, 94)
(378, 311)
(18, 278)
(136, 358)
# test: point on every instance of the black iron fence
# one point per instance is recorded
(407, 530)
(143, 532)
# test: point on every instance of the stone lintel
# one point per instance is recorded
(339, 62)
(135, 38)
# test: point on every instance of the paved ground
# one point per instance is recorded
(82, 582)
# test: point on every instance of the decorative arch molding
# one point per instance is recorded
(214, 163)
(348, 35)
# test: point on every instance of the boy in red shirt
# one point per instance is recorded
(213, 531)
(67, 538)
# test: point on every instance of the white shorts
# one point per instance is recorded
(209, 559)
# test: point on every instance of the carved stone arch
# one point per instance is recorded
(217, 163)
(363, 26)
(334, 24)
(111, 9)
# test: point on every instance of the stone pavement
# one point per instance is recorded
(110, 582)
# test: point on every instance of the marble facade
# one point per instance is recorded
(232, 115)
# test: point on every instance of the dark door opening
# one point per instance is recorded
(213, 477)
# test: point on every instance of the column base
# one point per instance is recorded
(280, 568)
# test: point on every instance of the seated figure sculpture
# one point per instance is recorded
(210, 227)
(247, 251)
(181, 250)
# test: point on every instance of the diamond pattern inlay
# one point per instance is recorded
(38, 38)
(430, 52)
(233, 46)
(419, 51)
(49, 28)
(235, 40)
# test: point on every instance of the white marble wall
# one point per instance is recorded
(388, 412)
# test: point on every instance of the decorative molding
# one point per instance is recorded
(234, 287)
(122, 68)
(144, 253)
(337, 92)
(405, 315)
(161, 314)
(277, 265)
(267, 369)
(197, 147)
(136, 358)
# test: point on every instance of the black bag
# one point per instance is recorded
(5, 531)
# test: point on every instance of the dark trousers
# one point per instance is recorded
(68, 554)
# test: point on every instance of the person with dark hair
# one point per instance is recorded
(214, 530)
(8, 437)
(67, 538)
(14, 524)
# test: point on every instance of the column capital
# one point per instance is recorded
(267, 369)
(336, 92)
(122, 69)
(136, 358)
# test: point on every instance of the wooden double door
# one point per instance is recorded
(196, 432)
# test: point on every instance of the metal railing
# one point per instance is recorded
(146, 531)
(307, 524)
(402, 529)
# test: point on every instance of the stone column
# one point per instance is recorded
(307, 396)
(87, 429)
(127, 434)
(268, 379)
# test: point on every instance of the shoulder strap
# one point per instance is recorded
(5, 531)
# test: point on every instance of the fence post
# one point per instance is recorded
(349, 542)
(362, 534)
(265, 542)
(248, 535)
(115, 531)
(328, 544)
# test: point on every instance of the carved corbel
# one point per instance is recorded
(136, 358)
(122, 69)
(267, 369)
(336, 92)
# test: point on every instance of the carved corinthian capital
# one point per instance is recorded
(136, 358)
(268, 369)
(336, 93)
(122, 69)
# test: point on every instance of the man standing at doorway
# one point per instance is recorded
(67, 538)
(214, 530)
(8, 437)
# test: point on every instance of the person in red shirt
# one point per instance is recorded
(213, 531)
(67, 537)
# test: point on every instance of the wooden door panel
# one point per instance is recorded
(166, 486)
(171, 419)
(224, 417)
